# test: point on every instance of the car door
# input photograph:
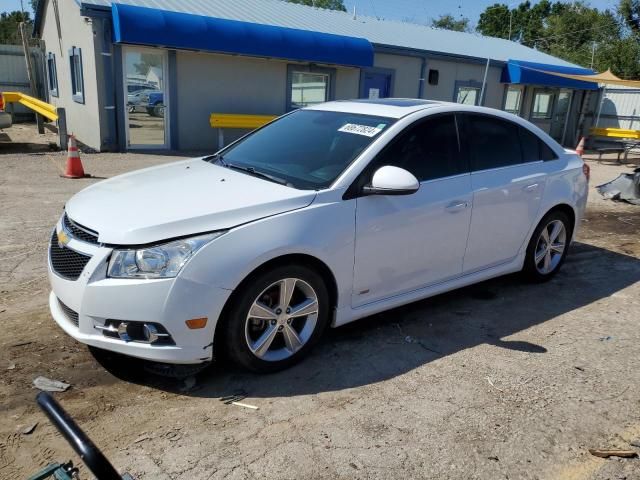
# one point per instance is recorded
(508, 180)
(407, 242)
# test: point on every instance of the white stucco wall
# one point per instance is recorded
(76, 31)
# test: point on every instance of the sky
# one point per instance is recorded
(419, 11)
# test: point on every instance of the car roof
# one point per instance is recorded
(382, 107)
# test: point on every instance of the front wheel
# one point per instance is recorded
(548, 247)
(276, 318)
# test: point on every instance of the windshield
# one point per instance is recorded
(306, 149)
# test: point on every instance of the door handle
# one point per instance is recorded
(457, 206)
(531, 188)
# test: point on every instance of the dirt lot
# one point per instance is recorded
(500, 380)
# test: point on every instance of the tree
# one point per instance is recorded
(34, 5)
(447, 22)
(9, 33)
(629, 10)
(573, 31)
(328, 4)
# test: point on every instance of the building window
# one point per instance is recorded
(77, 79)
(52, 73)
(513, 100)
(542, 105)
(309, 89)
(467, 93)
(308, 86)
(434, 76)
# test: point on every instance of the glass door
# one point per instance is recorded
(560, 114)
(146, 97)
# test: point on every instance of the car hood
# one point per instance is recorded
(178, 199)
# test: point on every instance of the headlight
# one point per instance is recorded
(160, 261)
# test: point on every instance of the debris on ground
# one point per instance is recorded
(48, 385)
(29, 430)
(605, 453)
(236, 399)
(245, 405)
(493, 385)
(142, 438)
(625, 188)
(11, 367)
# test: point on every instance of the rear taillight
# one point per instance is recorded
(1, 102)
(586, 169)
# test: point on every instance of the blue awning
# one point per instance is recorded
(153, 27)
(529, 73)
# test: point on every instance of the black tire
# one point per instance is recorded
(235, 344)
(158, 111)
(531, 270)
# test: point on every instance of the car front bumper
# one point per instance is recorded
(82, 308)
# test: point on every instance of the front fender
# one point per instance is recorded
(324, 230)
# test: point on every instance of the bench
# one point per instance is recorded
(618, 150)
(619, 140)
(234, 120)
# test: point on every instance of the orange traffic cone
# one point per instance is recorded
(580, 147)
(73, 168)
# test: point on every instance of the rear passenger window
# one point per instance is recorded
(533, 148)
(429, 149)
(530, 146)
(492, 142)
(546, 153)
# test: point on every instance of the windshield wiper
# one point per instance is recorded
(250, 170)
(254, 172)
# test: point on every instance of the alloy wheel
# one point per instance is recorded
(550, 247)
(281, 319)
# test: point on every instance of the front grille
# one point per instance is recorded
(78, 231)
(71, 315)
(65, 262)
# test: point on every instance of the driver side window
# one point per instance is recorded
(429, 149)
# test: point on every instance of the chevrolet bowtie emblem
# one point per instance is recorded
(63, 238)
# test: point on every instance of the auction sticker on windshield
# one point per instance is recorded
(365, 130)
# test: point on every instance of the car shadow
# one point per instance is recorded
(395, 342)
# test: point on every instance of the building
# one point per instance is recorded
(149, 73)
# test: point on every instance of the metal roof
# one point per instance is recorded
(381, 32)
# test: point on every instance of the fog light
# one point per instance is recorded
(150, 333)
(122, 331)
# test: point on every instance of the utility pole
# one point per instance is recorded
(510, 22)
(30, 72)
(593, 54)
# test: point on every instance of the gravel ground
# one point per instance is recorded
(499, 380)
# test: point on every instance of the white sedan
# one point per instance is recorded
(328, 214)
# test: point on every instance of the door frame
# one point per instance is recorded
(379, 70)
(165, 95)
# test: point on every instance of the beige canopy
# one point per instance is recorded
(606, 78)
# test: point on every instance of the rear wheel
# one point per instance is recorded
(276, 319)
(548, 247)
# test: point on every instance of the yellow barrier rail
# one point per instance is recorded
(615, 133)
(43, 108)
(232, 120)
(236, 120)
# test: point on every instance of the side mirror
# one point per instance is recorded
(390, 180)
